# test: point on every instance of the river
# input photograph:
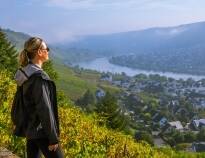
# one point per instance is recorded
(103, 65)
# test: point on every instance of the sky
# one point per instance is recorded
(67, 20)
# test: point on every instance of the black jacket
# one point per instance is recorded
(39, 93)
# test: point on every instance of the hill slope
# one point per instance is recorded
(81, 135)
(145, 41)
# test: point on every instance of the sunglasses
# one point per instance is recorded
(48, 49)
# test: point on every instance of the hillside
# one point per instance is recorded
(75, 82)
(81, 135)
(144, 41)
(16, 38)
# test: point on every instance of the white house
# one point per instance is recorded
(176, 124)
(197, 124)
(100, 93)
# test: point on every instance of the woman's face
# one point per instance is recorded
(43, 52)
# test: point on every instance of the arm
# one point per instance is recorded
(44, 109)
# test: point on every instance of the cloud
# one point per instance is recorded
(61, 35)
(94, 4)
(71, 4)
(176, 31)
(172, 31)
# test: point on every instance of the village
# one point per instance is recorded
(171, 111)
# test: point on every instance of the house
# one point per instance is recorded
(125, 85)
(181, 111)
(116, 83)
(187, 127)
(201, 92)
(163, 121)
(159, 119)
(176, 125)
(100, 93)
(197, 124)
(171, 126)
(202, 103)
(198, 146)
(106, 77)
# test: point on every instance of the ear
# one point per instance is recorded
(40, 53)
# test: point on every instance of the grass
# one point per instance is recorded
(75, 83)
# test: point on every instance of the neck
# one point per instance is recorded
(39, 63)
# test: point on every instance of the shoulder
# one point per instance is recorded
(40, 75)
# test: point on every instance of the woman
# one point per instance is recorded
(39, 96)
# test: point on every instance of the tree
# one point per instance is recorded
(63, 100)
(145, 136)
(140, 77)
(189, 137)
(179, 137)
(147, 117)
(108, 108)
(48, 67)
(133, 102)
(87, 102)
(201, 135)
(8, 54)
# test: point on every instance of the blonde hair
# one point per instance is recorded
(31, 47)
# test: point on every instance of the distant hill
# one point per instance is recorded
(178, 49)
(16, 38)
(145, 41)
(69, 56)
(163, 40)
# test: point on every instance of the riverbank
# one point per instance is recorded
(103, 65)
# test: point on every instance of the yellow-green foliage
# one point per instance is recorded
(81, 136)
(7, 90)
(7, 87)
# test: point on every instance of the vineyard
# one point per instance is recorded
(81, 134)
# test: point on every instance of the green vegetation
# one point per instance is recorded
(108, 108)
(16, 38)
(189, 61)
(87, 102)
(75, 81)
(81, 135)
(70, 82)
(48, 67)
(8, 54)
(143, 135)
